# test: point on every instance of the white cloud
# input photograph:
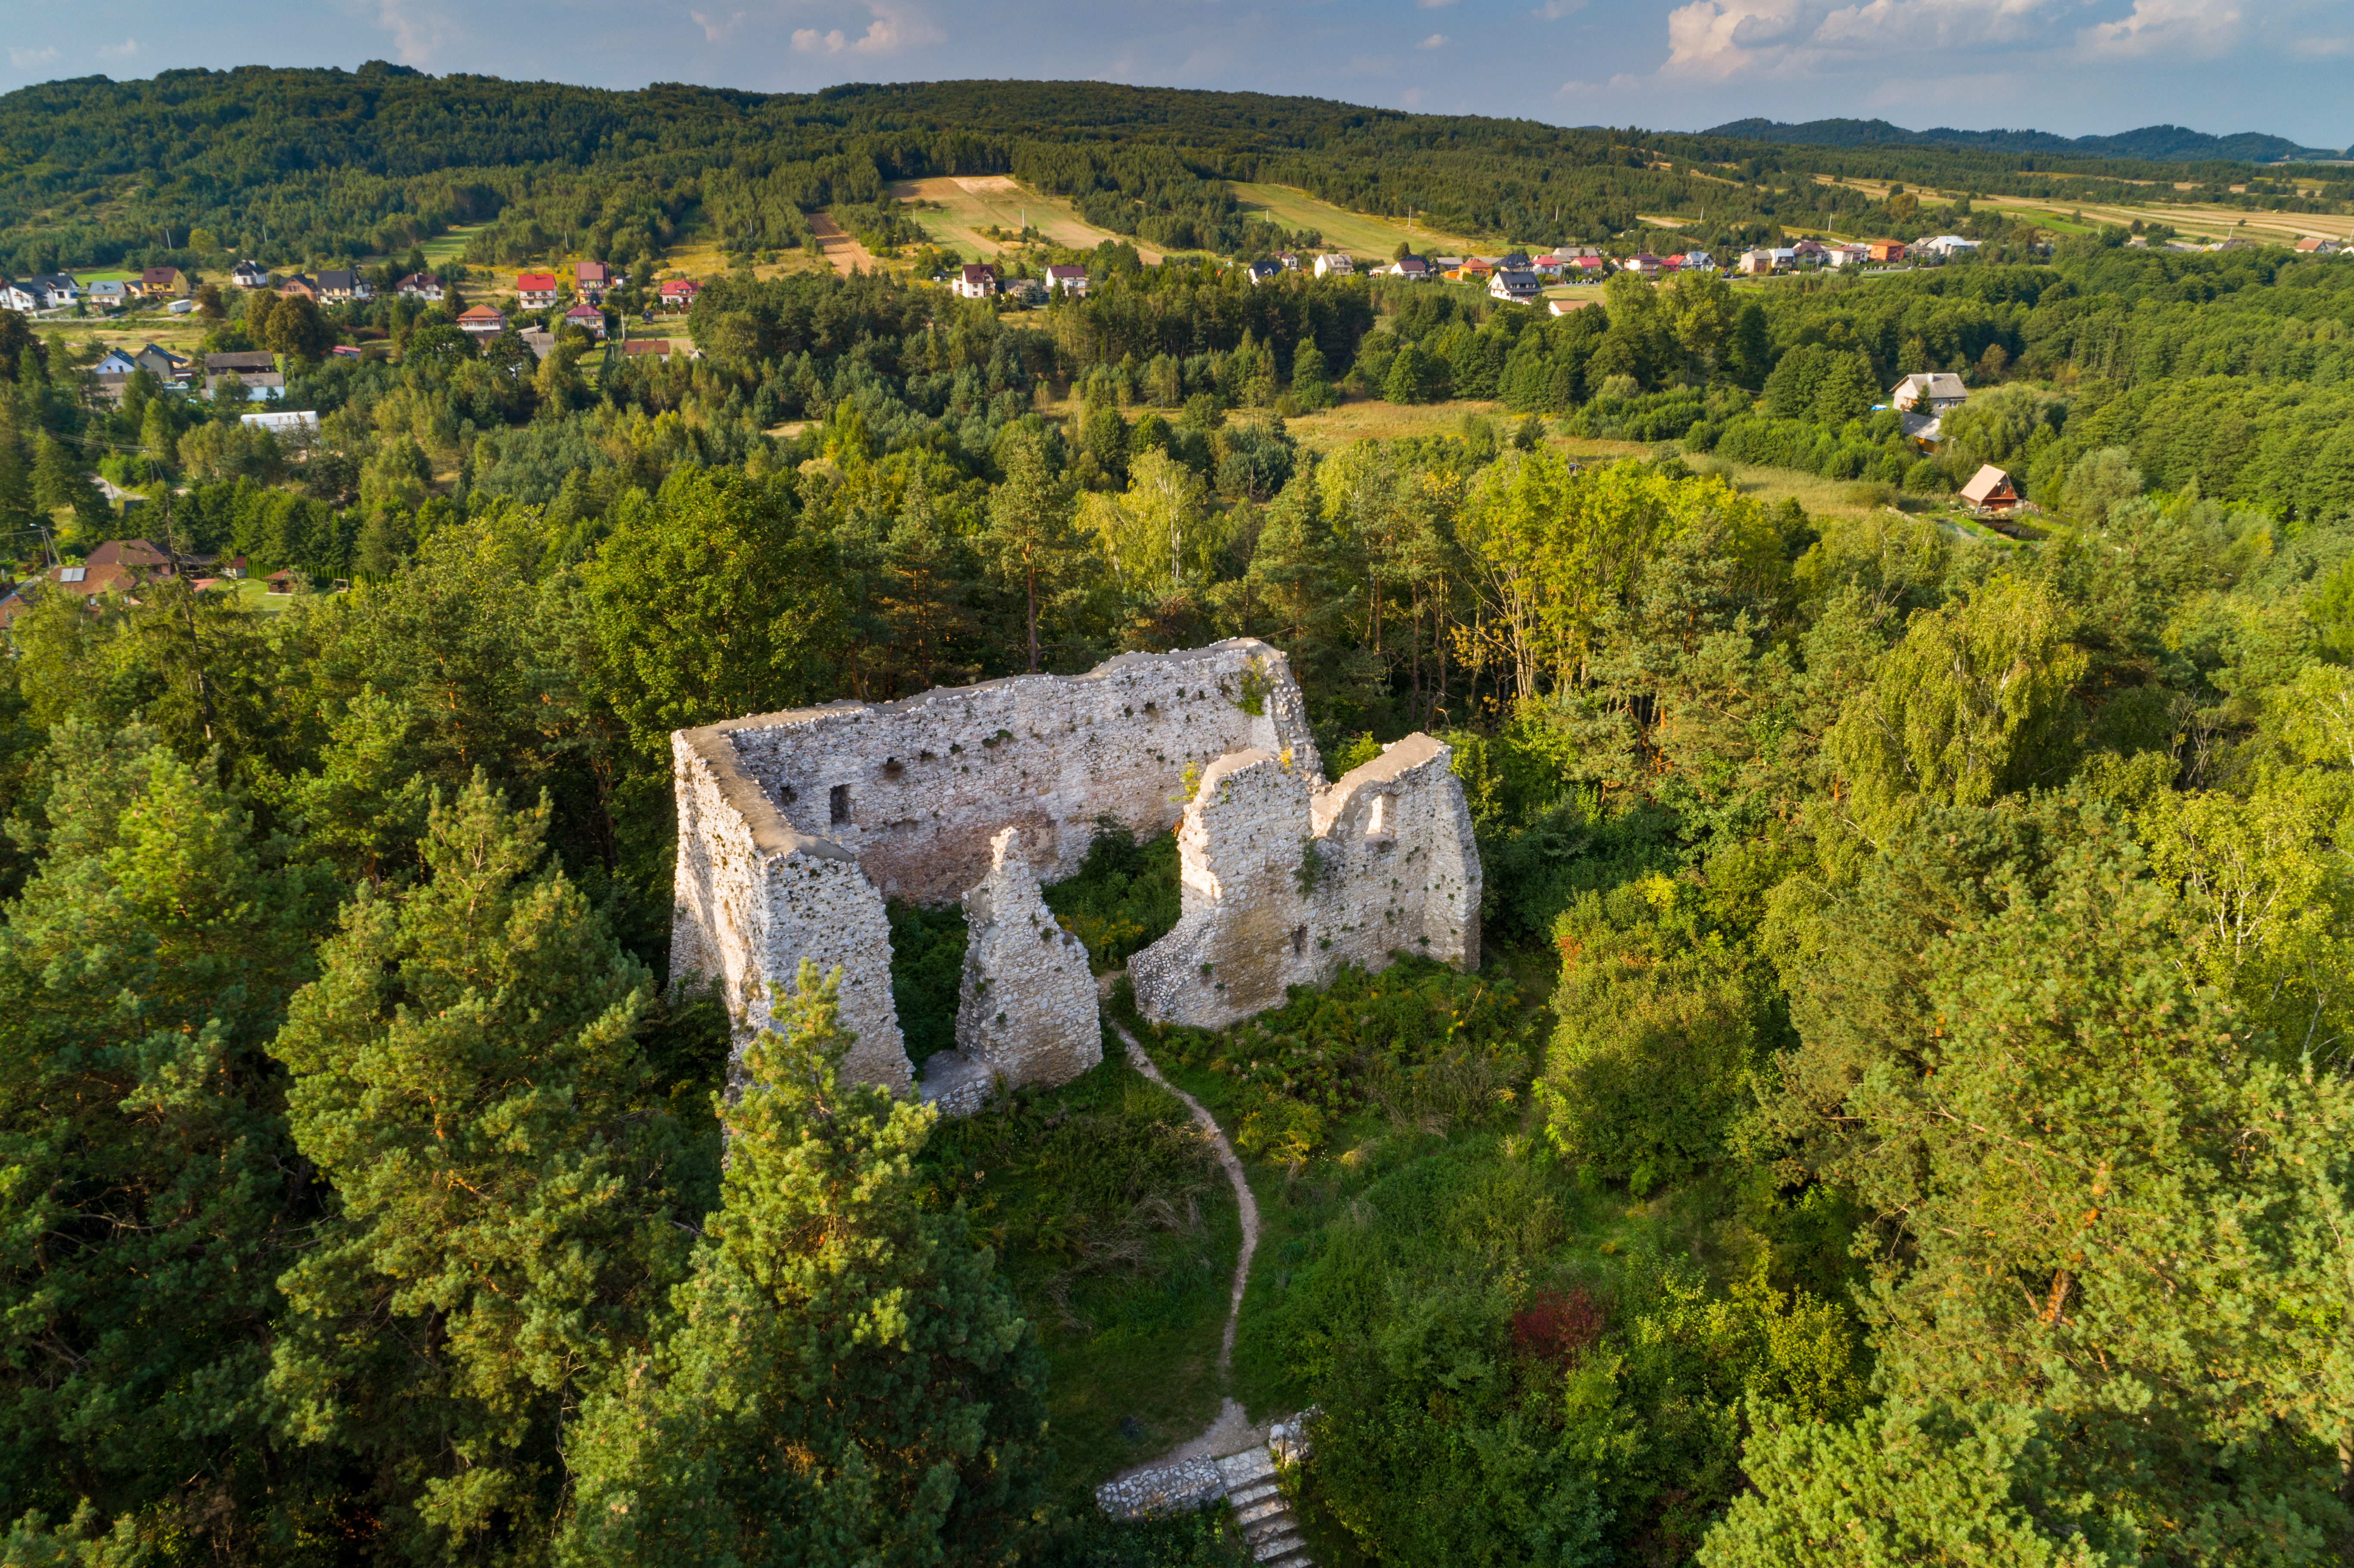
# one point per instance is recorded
(2312, 48)
(419, 32)
(1434, 4)
(1718, 38)
(122, 52)
(892, 31)
(1554, 10)
(2165, 26)
(26, 60)
(715, 29)
(1436, 41)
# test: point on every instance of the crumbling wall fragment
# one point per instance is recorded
(1026, 1013)
(1284, 885)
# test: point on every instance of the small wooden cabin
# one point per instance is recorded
(1991, 490)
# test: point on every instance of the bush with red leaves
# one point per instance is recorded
(1559, 1326)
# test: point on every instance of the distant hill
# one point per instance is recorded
(2162, 143)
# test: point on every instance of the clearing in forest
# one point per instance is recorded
(970, 203)
(1358, 233)
(843, 251)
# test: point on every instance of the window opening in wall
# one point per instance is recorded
(837, 804)
(1378, 820)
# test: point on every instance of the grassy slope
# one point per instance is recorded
(968, 206)
(1358, 233)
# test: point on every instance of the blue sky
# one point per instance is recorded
(2068, 66)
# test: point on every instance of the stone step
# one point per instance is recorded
(1299, 1559)
(1254, 1491)
(1249, 1514)
(1277, 1546)
(1250, 1465)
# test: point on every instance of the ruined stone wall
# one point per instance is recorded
(1284, 883)
(753, 898)
(795, 827)
(1026, 1012)
(916, 789)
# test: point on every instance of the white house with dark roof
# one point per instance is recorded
(1515, 285)
(1335, 264)
(1066, 279)
(975, 280)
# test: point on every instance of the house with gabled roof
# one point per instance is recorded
(482, 321)
(588, 318)
(1412, 268)
(974, 280)
(1066, 279)
(1992, 490)
(1516, 285)
(426, 286)
(679, 292)
(1931, 391)
(590, 280)
(535, 291)
(247, 275)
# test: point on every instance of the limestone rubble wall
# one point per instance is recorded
(794, 828)
(916, 789)
(753, 898)
(1284, 885)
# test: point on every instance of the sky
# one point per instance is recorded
(2075, 67)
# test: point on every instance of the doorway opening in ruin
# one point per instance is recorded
(837, 804)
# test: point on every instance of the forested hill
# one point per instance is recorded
(2163, 143)
(331, 165)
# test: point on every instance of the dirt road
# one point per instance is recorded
(841, 249)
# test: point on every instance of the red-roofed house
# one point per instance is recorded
(586, 317)
(535, 291)
(679, 293)
(1645, 265)
(591, 278)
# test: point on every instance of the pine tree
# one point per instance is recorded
(149, 1199)
(848, 1382)
(467, 1078)
(1030, 531)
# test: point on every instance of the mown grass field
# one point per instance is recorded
(971, 203)
(1358, 233)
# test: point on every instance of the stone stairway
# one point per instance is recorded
(1260, 1509)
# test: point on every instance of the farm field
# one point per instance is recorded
(1358, 233)
(843, 251)
(2193, 222)
(970, 203)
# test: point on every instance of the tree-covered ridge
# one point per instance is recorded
(336, 164)
(2173, 143)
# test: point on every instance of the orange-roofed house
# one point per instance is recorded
(482, 321)
(1887, 250)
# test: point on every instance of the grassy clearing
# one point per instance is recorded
(969, 204)
(1358, 233)
(1118, 1235)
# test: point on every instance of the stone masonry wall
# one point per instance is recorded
(909, 795)
(753, 898)
(1026, 1013)
(916, 789)
(1284, 885)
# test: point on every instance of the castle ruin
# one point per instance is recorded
(795, 828)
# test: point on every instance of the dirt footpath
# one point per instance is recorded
(840, 248)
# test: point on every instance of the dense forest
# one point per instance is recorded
(1905, 1115)
(322, 166)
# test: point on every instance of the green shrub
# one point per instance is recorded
(1125, 896)
(927, 975)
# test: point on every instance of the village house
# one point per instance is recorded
(1842, 254)
(19, 298)
(1290, 260)
(590, 280)
(1412, 268)
(1260, 273)
(247, 275)
(482, 321)
(255, 370)
(1473, 269)
(344, 286)
(535, 291)
(1934, 392)
(1563, 307)
(1548, 266)
(299, 286)
(2319, 245)
(110, 296)
(56, 290)
(426, 286)
(162, 284)
(1586, 270)
(163, 363)
(1066, 277)
(974, 280)
(679, 293)
(588, 318)
(1335, 264)
(647, 348)
(1885, 251)
(1991, 490)
(1517, 285)
(1946, 247)
(1643, 264)
(1695, 259)
(114, 362)
(1512, 261)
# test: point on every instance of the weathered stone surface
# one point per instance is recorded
(908, 797)
(1027, 1011)
(1283, 884)
(1166, 1490)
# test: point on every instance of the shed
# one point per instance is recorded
(1991, 490)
